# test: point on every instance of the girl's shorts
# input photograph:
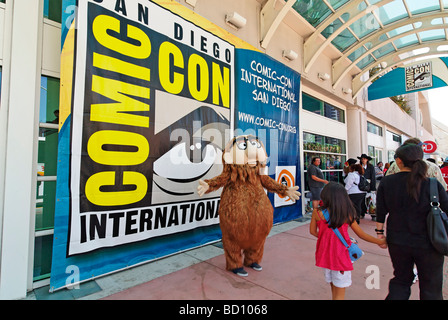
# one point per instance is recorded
(340, 279)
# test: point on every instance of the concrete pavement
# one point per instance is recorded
(289, 273)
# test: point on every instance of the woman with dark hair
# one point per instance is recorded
(405, 197)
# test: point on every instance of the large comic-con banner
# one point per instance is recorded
(147, 105)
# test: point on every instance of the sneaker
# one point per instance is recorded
(240, 272)
(256, 266)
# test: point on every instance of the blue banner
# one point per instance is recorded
(267, 105)
(419, 76)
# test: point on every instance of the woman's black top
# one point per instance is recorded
(406, 223)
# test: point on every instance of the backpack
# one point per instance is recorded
(363, 184)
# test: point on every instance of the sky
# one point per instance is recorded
(438, 104)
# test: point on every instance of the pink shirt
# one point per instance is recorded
(330, 252)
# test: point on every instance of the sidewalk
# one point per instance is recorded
(288, 273)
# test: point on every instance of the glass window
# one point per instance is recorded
(357, 53)
(334, 113)
(392, 12)
(322, 108)
(390, 156)
(314, 11)
(419, 6)
(332, 28)
(406, 41)
(45, 204)
(43, 248)
(365, 25)
(390, 136)
(371, 151)
(337, 3)
(388, 48)
(401, 30)
(312, 104)
(368, 59)
(53, 10)
(46, 180)
(431, 35)
(344, 40)
(373, 128)
(331, 151)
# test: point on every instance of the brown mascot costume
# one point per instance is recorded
(245, 211)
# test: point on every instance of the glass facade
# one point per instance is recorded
(46, 180)
(331, 151)
(373, 128)
(373, 16)
(53, 10)
(322, 108)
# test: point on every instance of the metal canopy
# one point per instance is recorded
(368, 33)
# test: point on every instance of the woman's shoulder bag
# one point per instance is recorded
(437, 221)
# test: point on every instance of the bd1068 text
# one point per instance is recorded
(245, 309)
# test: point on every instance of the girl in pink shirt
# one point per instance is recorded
(331, 254)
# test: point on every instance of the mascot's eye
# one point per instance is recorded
(176, 163)
(256, 143)
(242, 145)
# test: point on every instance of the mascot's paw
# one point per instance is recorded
(293, 193)
(202, 188)
(256, 266)
(240, 272)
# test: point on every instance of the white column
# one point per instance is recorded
(20, 147)
(355, 132)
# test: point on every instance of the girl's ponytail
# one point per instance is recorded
(418, 174)
(412, 157)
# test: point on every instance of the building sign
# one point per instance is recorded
(429, 146)
(418, 76)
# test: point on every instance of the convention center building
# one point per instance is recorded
(112, 110)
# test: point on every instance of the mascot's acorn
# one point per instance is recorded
(245, 211)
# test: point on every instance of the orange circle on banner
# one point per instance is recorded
(289, 178)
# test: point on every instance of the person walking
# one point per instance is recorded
(316, 180)
(379, 173)
(351, 185)
(433, 169)
(331, 254)
(405, 198)
(369, 174)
